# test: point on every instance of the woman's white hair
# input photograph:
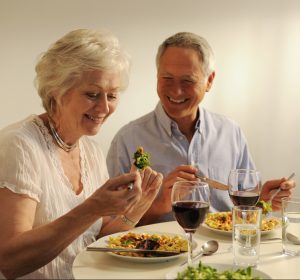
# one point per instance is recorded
(192, 41)
(76, 53)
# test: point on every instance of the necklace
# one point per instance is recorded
(66, 147)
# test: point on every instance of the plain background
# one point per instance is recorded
(256, 44)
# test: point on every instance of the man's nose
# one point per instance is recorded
(177, 88)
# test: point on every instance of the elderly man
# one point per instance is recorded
(180, 135)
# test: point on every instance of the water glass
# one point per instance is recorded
(246, 222)
(291, 226)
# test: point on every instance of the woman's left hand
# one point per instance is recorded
(151, 182)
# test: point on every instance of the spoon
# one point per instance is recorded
(208, 248)
(293, 238)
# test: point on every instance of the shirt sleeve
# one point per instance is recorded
(19, 167)
(245, 160)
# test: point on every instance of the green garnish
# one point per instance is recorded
(265, 206)
(127, 242)
(207, 272)
(141, 158)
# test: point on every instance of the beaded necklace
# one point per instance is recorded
(66, 147)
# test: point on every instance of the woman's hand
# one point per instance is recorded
(151, 182)
(114, 197)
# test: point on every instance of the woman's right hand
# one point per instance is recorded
(114, 197)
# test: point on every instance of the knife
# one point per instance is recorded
(213, 183)
(129, 250)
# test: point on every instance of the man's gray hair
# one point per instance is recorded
(192, 41)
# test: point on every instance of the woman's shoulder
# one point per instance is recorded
(21, 131)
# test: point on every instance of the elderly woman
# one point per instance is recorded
(55, 195)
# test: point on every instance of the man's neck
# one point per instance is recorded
(187, 128)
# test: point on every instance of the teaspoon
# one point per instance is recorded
(208, 248)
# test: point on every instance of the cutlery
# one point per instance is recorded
(213, 183)
(208, 248)
(279, 189)
(129, 250)
(293, 238)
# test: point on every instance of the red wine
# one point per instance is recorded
(244, 198)
(190, 214)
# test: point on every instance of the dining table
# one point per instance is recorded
(99, 265)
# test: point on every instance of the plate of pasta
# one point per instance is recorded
(221, 222)
(147, 240)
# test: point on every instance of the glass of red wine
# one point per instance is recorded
(190, 204)
(244, 186)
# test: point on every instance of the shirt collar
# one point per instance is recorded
(167, 123)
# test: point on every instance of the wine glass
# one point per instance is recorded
(190, 204)
(244, 186)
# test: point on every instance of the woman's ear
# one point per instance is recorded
(210, 80)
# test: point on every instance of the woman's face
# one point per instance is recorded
(85, 106)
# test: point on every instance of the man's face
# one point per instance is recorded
(181, 85)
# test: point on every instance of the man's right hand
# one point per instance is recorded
(180, 173)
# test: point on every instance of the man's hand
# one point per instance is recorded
(180, 173)
(271, 186)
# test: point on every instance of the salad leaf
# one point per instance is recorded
(207, 272)
(141, 158)
(265, 206)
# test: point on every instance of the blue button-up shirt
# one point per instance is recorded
(218, 145)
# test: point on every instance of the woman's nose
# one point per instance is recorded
(102, 104)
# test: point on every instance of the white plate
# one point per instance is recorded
(229, 233)
(102, 242)
(220, 268)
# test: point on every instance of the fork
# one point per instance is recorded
(279, 189)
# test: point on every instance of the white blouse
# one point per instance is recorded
(29, 164)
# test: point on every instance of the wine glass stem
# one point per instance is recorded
(190, 247)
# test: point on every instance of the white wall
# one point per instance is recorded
(256, 43)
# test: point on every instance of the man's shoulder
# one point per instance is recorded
(219, 119)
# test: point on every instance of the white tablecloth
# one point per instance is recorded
(96, 265)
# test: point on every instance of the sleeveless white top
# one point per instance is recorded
(29, 165)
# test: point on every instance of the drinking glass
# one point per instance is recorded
(190, 204)
(291, 226)
(244, 186)
(246, 221)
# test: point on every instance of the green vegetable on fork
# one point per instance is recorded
(265, 206)
(141, 158)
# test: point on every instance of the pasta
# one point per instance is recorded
(162, 242)
(223, 221)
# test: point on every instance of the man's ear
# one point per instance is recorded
(210, 80)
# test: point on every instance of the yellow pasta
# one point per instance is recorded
(162, 242)
(223, 221)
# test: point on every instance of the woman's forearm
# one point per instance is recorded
(35, 248)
